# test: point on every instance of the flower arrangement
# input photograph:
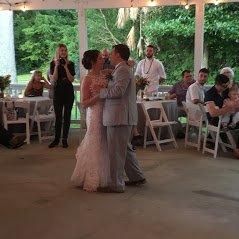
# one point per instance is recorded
(4, 82)
(141, 83)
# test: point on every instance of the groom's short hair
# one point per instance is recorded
(123, 50)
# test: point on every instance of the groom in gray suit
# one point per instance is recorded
(119, 115)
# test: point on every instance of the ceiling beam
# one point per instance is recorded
(73, 4)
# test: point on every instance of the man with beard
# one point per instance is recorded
(152, 69)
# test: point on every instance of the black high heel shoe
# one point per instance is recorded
(53, 144)
(64, 143)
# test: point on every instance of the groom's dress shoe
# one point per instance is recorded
(135, 183)
(109, 190)
(137, 140)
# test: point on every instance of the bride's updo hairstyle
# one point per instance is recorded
(89, 58)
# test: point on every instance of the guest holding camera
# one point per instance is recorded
(63, 72)
(36, 85)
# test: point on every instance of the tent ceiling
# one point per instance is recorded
(74, 4)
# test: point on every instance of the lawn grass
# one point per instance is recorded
(23, 79)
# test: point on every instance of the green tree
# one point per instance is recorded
(37, 34)
(170, 28)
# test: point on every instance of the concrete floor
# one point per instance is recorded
(188, 196)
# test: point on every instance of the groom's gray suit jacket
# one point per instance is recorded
(120, 98)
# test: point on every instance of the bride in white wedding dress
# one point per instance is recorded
(92, 166)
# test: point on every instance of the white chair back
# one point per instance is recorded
(153, 105)
(195, 117)
(195, 112)
(17, 104)
(214, 131)
(43, 107)
(21, 117)
(162, 121)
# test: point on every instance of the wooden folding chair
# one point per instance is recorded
(158, 123)
(195, 118)
(19, 119)
(44, 114)
(214, 132)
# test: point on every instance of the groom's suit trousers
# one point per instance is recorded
(122, 156)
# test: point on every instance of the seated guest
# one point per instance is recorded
(36, 85)
(179, 90)
(217, 103)
(227, 71)
(9, 140)
(231, 121)
(195, 93)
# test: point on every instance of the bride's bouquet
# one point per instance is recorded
(140, 83)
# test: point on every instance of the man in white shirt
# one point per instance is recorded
(195, 93)
(152, 69)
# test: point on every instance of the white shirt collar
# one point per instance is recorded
(199, 84)
(149, 59)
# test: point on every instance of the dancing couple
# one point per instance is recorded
(105, 152)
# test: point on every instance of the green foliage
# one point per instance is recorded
(221, 36)
(171, 29)
(37, 34)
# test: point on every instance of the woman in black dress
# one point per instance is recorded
(63, 72)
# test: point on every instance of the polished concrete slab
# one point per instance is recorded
(188, 195)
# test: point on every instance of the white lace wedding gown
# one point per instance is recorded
(92, 167)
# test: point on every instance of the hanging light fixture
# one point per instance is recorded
(216, 2)
(186, 4)
(152, 3)
(20, 5)
(24, 7)
(131, 3)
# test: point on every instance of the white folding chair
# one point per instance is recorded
(44, 114)
(159, 123)
(214, 131)
(21, 119)
(195, 118)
